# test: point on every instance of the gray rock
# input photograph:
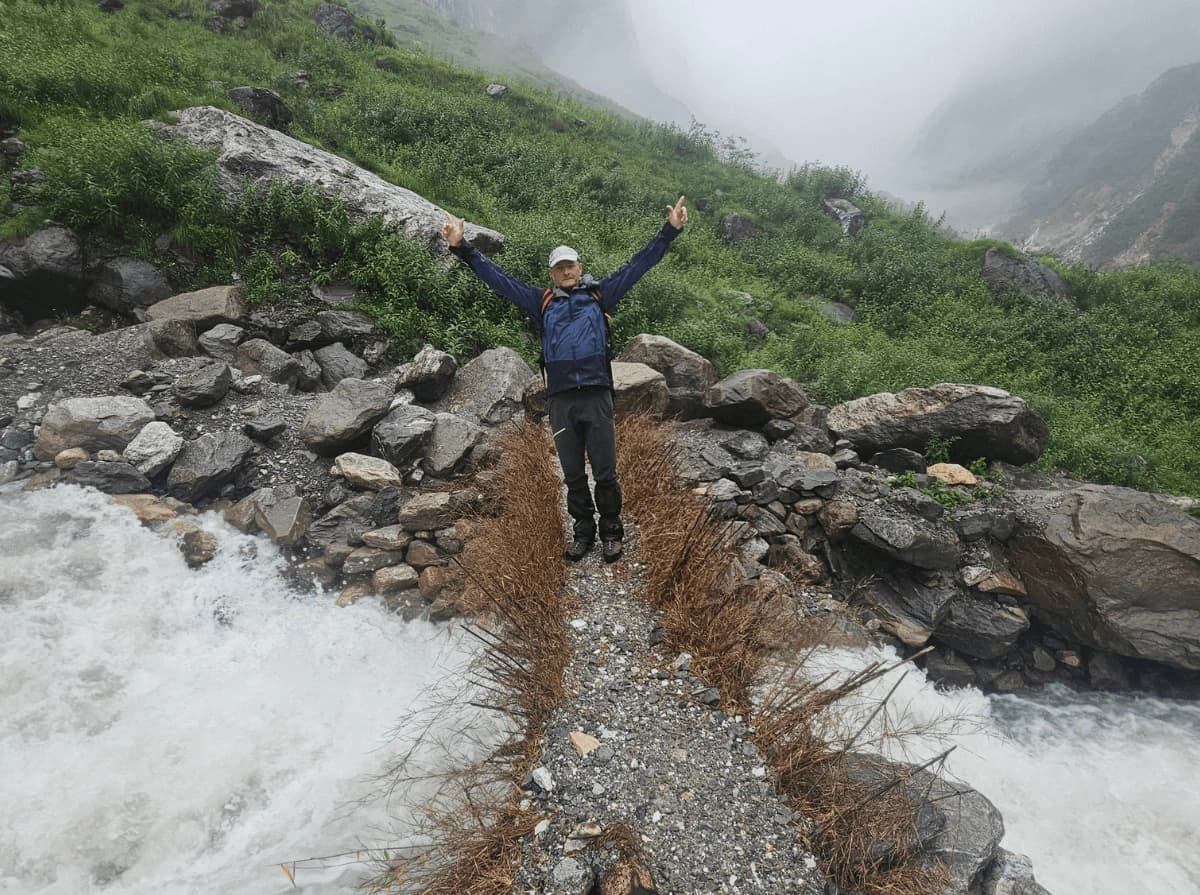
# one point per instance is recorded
(981, 627)
(403, 434)
(207, 463)
(688, 375)
(310, 371)
(222, 341)
(495, 91)
(340, 418)
(1107, 673)
(1022, 273)
(111, 478)
(338, 363)
(174, 338)
(266, 106)
(12, 147)
(264, 428)
(490, 387)
(345, 523)
(125, 284)
(950, 670)
(254, 155)
(777, 429)
(203, 309)
(637, 387)
(920, 504)
(736, 227)
(261, 357)
(345, 326)
(45, 274)
(898, 460)
(203, 387)
(428, 374)
(365, 560)
(747, 445)
(91, 423)
(154, 448)
(988, 422)
(909, 539)
(752, 397)
(336, 21)
(283, 517)
(1112, 568)
(426, 512)
(848, 215)
(1010, 874)
(569, 877)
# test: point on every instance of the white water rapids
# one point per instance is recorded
(172, 731)
(164, 730)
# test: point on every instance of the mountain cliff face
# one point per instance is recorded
(593, 43)
(1126, 189)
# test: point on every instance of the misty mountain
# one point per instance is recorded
(418, 25)
(1125, 189)
(592, 42)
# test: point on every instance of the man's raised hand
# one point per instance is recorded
(452, 230)
(677, 214)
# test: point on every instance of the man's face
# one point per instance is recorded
(566, 274)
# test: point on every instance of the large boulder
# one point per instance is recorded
(910, 539)
(250, 154)
(639, 387)
(125, 284)
(850, 216)
(41, 275)
(981, 627)
(203, 387)
(736, 227)
(988, 422)
(154, 448)
(202, 309)
(688, 374)
(428, 374)
(338, 362)
(490, 386)
(336, 21)
(403, 434)
(450, 444)
(114, 477)
(91, 423)
(262, 104)
(1116, 569)
(340, 418)
(1010, 874)
(205, 465)
(1017, 271)
(752, 397)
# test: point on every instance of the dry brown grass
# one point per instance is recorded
(514, 584)
(863, 833)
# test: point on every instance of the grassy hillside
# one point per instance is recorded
(1119, 379)
(418, 27)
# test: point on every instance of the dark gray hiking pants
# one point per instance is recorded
(583, 421)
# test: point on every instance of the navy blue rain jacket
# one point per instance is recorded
(573, 330)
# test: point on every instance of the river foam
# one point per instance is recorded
(169, 730)
(1099, 790)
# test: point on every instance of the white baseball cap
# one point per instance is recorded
(563, 253)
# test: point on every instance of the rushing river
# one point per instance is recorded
(1101, 791)
(172, 731)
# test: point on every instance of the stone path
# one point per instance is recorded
(681, 774)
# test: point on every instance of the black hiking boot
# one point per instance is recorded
(578, 550)
(612, 549)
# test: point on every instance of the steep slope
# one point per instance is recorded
(555, 33)
(420, 26)
(1125, 190)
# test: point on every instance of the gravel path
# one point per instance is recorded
(681, 774)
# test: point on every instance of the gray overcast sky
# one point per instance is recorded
(850, 82)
